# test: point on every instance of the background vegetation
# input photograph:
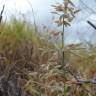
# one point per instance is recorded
(31, 64)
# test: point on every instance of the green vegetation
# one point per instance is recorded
(37, 64)
(30, 65)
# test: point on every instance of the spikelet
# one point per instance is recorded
(65, 11)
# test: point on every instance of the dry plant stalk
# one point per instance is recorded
(66, 12)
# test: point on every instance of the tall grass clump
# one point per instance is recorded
(21, 53)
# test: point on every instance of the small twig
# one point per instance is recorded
(91, 24)
(2, 13)
(81, 81)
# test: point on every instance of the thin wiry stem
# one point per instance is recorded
(36, 30)
(63, 36)
(87, 7)
(63, 63)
